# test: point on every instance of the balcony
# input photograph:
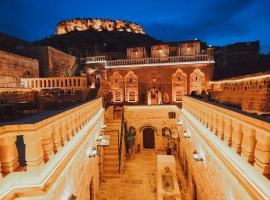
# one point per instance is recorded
(240, 141)
(143, 62)
(51, 146)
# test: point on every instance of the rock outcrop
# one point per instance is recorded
(98, 25)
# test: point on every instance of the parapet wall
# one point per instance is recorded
(98, 25)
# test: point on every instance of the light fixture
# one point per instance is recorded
(92, 152)
(180, 122)
(197, 156)
(99, 138)
(103, 126)
(187, 134)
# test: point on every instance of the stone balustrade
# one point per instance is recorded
(42, 140)
(204, 58)
(75, 83)
(247, 136)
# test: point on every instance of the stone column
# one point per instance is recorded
(63, 133)
(262, 151)
(220, 127)
(56, 136)
(9, 157)
(228, 131)
(47, 143)
(33, 150)
(248, 143)
(237, 136)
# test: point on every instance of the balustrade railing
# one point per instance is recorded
(247, 136)
(149, 61)
(42, 140)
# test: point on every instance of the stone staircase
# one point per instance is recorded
(110, 157)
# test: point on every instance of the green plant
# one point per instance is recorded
(130, 139)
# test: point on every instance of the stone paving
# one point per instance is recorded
(138, 182)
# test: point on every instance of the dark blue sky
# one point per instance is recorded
(218, 22)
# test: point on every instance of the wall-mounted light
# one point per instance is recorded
(197, 156)
(103, 126)
(72, 197)
(92, 152)
(180, 122)
(187, 134)
(99, 138)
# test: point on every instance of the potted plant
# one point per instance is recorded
(129, 140)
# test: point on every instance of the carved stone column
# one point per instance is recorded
(237, 136)
(248, 143)
(33, 150)
(56, 137)
(47, 143)
(262, 151)
(8, 154)
(228, 131)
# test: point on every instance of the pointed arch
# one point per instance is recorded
(179, 85)
(117, 87)
(197, 81)
(131, 87)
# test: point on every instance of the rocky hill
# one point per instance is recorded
(67, 26)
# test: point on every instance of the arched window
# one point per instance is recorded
(117, 87)
(131, 87)
(197, 81)
(179, 85)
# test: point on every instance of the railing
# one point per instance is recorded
(122, 134)
(46, 141)
(74, 68)
(242, 142)
(150, 61)
(95, 59)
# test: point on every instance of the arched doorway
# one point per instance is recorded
(148, 138)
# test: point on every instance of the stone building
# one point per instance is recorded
(52, 62)
(14, 67)
(158, 77)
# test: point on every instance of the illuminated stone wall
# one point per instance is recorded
(165, 80)
(14, 67)
(251, 93)
(98, 25)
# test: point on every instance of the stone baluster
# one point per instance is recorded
(220, 127)
(56, 136)
(47, 143)
(1, 176)
(262, 151)
(9, 157)
(248, 143)
(210, 125)
(215, 123)
(63, 133)
(68, 129)
(228, 131)
(33, 150)
(237, 136)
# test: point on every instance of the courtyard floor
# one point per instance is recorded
(138, 182)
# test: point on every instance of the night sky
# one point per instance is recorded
(218, 22)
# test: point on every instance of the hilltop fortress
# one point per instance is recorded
(67, 26)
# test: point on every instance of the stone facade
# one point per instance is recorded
(14, 67)
(52, 62)
(251, 93)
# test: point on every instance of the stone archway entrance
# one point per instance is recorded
(148, 138)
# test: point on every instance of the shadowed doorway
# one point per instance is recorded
(148, 138)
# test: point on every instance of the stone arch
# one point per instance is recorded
(131, 87)
(117, 87)
(179, 85)
(197, 81)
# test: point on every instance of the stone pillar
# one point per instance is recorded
(68, 130)
(63, 133)
(9, 157)
(220, 127)
(56, 137)
(237, 136)
(33, 150)
(47, 143)
(248, 143)
(215, 124)
(262, 151)
(228, 131)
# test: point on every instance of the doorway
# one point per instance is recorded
(148, 138)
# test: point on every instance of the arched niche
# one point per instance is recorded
(197, 81)
(117, 87)
(131, 87)
(179, 85)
